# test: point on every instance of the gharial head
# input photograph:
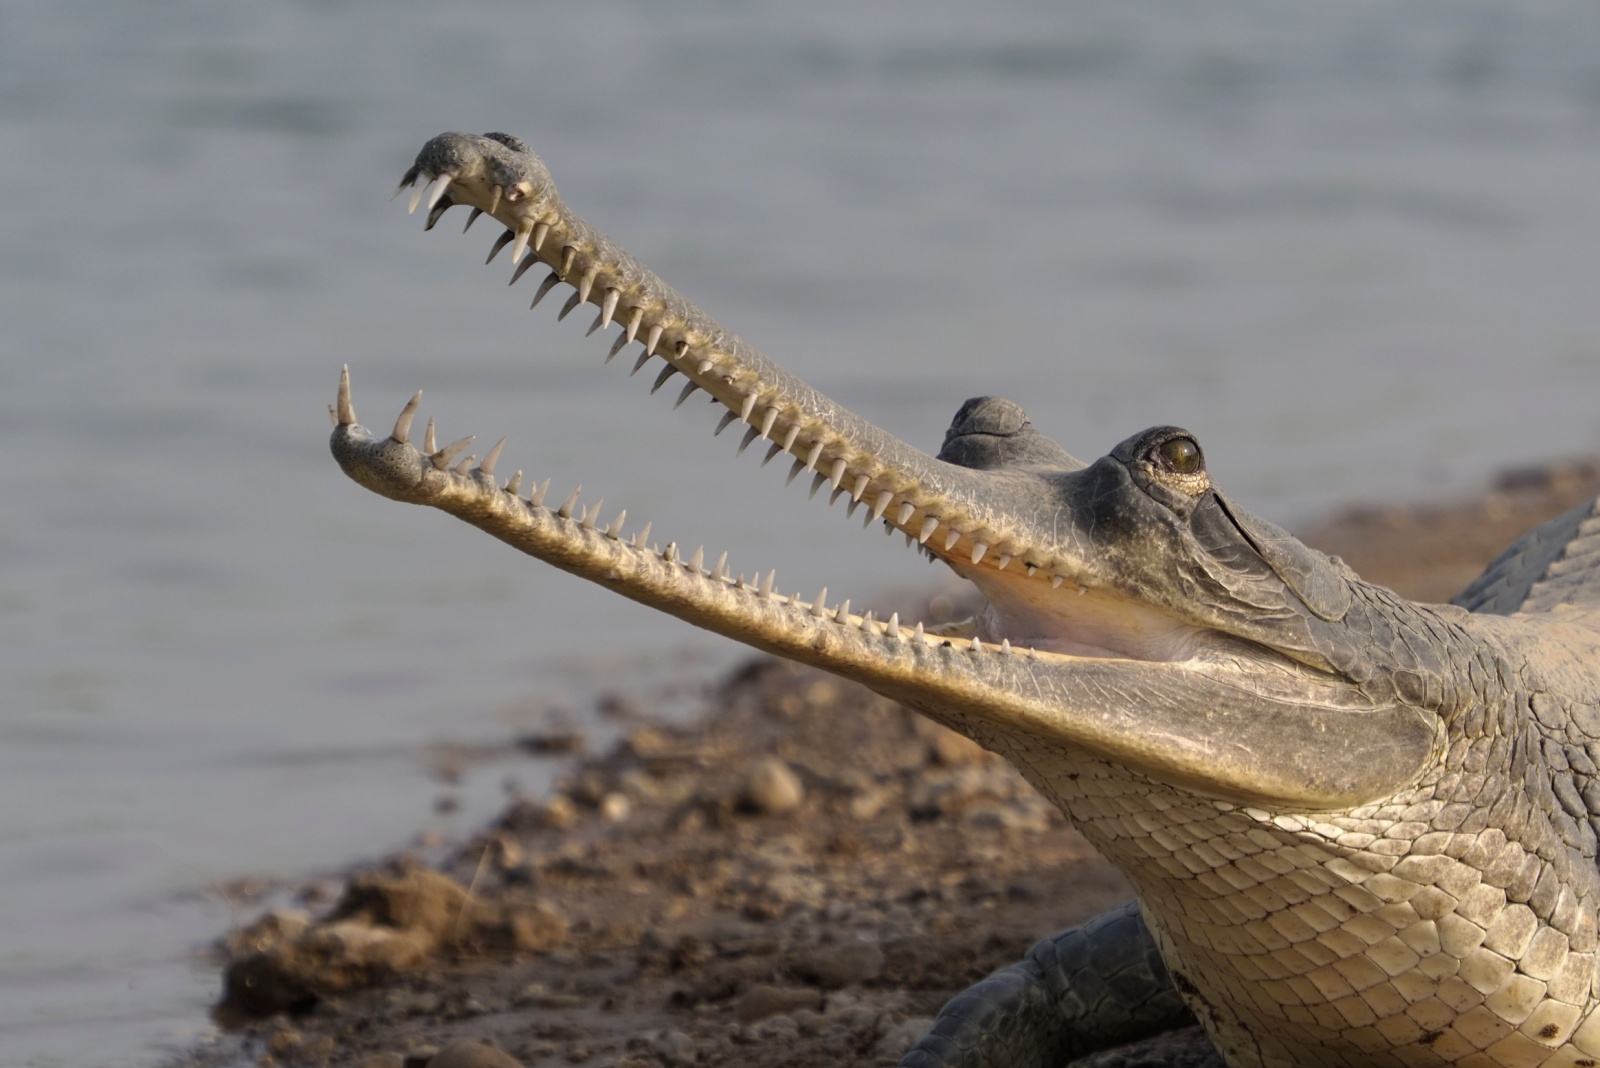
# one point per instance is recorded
(1132, 611)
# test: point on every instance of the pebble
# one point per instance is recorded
(831, 967)
(902, 1036)
(472, 1055)
(772, 788)
(762, 1000)
(675, 1048)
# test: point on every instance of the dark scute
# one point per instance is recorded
(991, 432)
(1321, 583)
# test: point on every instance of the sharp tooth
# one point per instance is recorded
(591, 513)
(697, 562)
(635, 317)
(487, 467)
(836, 474)
(417, 194)
(850, 510)
(681, 351)
(919, 634)
(671, 553)
(514, 483)
(794, 472)
(436, 212)
(616, 347)
(866, 620)
(749, 435)
(843, 614)
(722, 565)
(833, 499)
(1005, 646)
(817, 482)
(747, 406)
(651, 339)
(465, 465)
(1030, 569)
(892, 628)
(343, 411)
(436, 190)
(661, 379)
(885, 498)
(615, 529)
(428, 445)
(566, 309)
(772, 450)
(818, 608)
(641, 539)
(644, 358)
(565, 511)
(1005, 558)
(1082, 590)
(907, 510)
(858, 489)
(929, 525)
(472, 219)
(704, 366)
(442, 458)
(499, 243)
(789, 437)
(402, 426)
(768, 582)
(544, 288)
(522, 269)
(494, 201)
(586, 284)
(407, 180)
(608, 306)
(976, 646)
(951, 536)
(978, 550)
(569, 255)
(688, 391)
(1033, 654)
(519, 247)
(541, 231)
(722, 424)
(536, 498)
(768, 420)
(813, 455)
(1056, 581)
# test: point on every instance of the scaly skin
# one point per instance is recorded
(1362, 831)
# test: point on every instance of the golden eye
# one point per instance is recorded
(1180, 455)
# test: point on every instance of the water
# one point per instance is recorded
(1353, 247)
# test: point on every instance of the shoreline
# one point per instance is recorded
(799, 876)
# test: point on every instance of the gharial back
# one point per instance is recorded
(1555, 564)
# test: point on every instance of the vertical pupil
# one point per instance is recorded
(1181, 455)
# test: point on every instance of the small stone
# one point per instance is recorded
(472, 1055)
(902, 1036)
(615, 807)
(538, 927)
(773, 788)
(831, 967)
(676, 1048)
(763, 1000)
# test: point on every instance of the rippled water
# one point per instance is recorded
(1353, 247)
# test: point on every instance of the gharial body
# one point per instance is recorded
(1362, 831)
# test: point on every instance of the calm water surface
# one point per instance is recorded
(1354, 247)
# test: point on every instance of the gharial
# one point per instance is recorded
(1362, 831)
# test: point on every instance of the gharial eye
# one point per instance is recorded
(1179, 455)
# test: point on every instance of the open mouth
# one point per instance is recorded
(1039, 602)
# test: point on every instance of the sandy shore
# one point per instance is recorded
(800, 877)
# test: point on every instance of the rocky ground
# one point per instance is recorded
(800, 877)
